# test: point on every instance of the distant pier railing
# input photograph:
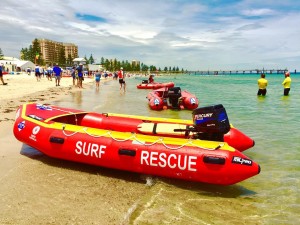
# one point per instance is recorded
(255, 71)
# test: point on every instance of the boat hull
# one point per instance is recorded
(194, 160)
(155, 85)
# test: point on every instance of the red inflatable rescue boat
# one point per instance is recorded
(127, 143)
(172, 98)
(155, 85)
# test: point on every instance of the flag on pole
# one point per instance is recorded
(37, 55)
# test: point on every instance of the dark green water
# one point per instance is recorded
(272, 197)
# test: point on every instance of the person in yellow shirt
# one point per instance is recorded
(286, 83)
(262, 85)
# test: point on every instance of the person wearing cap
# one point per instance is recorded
(262, 85)
(1, 74)
(287, 83)
(121, 79)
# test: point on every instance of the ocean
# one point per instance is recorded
(272, 197)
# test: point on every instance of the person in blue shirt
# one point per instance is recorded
(57, 74)
(80, 75)
(98, 76)
(1, 75)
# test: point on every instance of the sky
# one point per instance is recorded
(191, 34)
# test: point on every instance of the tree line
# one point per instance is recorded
(33, 53)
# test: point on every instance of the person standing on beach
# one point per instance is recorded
(121, 79)
(98, 76)
(262, 85)
(287, 83)
(80, 75)
(57, 73)
(73, 74)
(1, 74)
(37, 72)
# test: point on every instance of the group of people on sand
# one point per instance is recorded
(77, 75)
(263, 83)
(120, 75)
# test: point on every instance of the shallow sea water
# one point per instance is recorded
(272, 197)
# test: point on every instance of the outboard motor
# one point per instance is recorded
(144, 81)
(174, 95)
(211, 122)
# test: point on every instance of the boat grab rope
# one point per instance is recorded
(133, 137)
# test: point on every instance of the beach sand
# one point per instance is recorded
(35, 189)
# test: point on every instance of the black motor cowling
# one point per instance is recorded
(144, 81)
(174, 95)
(211, 120)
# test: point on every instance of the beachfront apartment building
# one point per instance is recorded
(50, 50)
(135, 63)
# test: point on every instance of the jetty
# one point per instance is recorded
(251, 71)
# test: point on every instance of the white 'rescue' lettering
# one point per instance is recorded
(173, 161)
(89, 149)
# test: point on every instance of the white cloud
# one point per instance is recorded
(189, 34)
(258, 12)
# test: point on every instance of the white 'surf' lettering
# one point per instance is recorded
(173, 161)
(89, 149)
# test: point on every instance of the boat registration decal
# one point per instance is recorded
(90, 149)
(172, 161)
(242, 161)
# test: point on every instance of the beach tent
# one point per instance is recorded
(77, 61)
(23, 65)
(8, 66)
(94, 67)
(13, 64)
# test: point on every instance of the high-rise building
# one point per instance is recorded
(135, 63)
(50, 50)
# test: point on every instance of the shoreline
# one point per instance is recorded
(23, 88)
